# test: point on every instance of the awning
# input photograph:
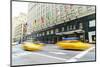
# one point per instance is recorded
(71, 32)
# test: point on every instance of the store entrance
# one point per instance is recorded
(79, 36)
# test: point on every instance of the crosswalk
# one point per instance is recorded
(80, 55)
(16, 55)
(59, 53)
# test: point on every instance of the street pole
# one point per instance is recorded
(84, 36)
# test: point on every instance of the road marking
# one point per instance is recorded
(45, 55)
(21, 54)
(75, 58)
(62, 53)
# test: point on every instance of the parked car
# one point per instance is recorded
(73, 44)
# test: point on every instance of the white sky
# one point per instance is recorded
(18, 7)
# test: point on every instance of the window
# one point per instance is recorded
(80, 10)
(80, 25)
(74, 27)
(90, 9)
(56, 30)
(51, 31)
(62, 28)
(37, 35)
(43, 33)
(67, 28)
(70, 27)
(92, 23)
(47, 32)
(40, 34)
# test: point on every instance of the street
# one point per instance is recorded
(50, 54)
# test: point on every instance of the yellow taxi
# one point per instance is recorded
(73, 44)
(32, 46)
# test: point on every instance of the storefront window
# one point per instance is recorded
(43, 33)
(67, 28)
(92, 23)
(37, 35)
(80, 25)
(56, 30)
(74, 27)
(47, 32)
(70, 27)
(40, 34)
(51, 31)
(62, 28)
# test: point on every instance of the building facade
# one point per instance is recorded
(20, 32)
(19, 27)
(50, 23)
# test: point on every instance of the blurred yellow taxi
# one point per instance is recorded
(73, 44)
(32, 46)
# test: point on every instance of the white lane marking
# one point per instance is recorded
(27, 53)
(55, 46)
(45, 55)
(21, 54)
(62, 53)
(75, 58)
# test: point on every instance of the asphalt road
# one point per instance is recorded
(50, 54)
